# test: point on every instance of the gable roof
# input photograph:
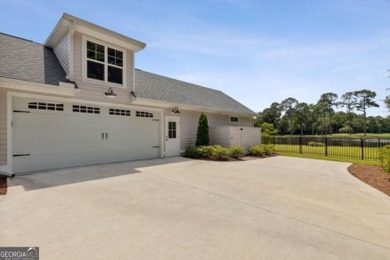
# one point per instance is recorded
(29, 61)
(156, 87)
(70, 22)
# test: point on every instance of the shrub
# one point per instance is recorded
(236, 151)
(202, 135)
(220, 153)
(193, 152)
(269, 149)
(268, 132)
(315, 144)
(384, 158)
(261, 150)
(257, 150)
(207, 151)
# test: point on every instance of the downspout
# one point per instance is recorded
(8, 174)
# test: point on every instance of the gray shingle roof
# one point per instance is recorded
(156, 87)
(26, 60)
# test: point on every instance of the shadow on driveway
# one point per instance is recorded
(53, 178)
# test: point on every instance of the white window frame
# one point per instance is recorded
(233, 122)
(106, 64)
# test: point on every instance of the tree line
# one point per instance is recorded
(293, 117)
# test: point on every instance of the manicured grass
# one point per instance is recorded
(357, 135)
(329, 158)
(360, 135)
(339, 153)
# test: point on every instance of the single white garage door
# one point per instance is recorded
(49, 135)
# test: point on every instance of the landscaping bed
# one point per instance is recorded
(373, 175)
(3, 185)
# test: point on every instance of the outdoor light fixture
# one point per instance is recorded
(133, 94)
(110, 93)
(176, 110)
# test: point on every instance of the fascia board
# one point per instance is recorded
(92, 30)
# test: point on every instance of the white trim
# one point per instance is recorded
(81, 101)
(8, 168)
(106, 45)
(176, 119)
(71, 52)
(64, 89)
(93, 30)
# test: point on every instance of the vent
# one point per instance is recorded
(86, 109)
(143, 114)
(119, 112)
(46, 106)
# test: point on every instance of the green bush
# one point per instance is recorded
(268, 132)
(261, 150)
(257, 150)
(384, 158)
(269, 149)
(207, 151)
(315, 144)
(215, 152)
(236, 151)
(220, 153)
(193, 152)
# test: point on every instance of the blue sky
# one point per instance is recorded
(258, 52)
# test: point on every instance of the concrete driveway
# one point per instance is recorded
(274, 208)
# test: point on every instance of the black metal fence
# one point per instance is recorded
(354, 148)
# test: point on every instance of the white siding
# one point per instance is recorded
(228, 136)
(189, 124)
(220, 135)
(3, 126)
(62, 51)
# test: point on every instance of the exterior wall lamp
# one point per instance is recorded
(176, 110)
(110, 93)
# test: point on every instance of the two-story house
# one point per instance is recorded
(78, 100)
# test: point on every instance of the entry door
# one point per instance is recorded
(172, 136)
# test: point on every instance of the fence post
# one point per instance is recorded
(300, 144)
(362, 147)
(326, 146)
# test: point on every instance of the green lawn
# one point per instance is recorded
(329, 158)
(360, 135)
(339, 153)
(357, 135)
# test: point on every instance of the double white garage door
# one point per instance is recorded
(48, 135)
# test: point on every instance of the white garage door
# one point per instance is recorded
(49, 135)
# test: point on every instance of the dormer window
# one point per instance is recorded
(104, 63)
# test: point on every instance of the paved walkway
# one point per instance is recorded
(274, 208)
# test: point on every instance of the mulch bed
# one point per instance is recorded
(374, 176)
(3, 185)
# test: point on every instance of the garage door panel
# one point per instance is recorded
(57, 139)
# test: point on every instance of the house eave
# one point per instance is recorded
(64, 89)
(71, 23)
